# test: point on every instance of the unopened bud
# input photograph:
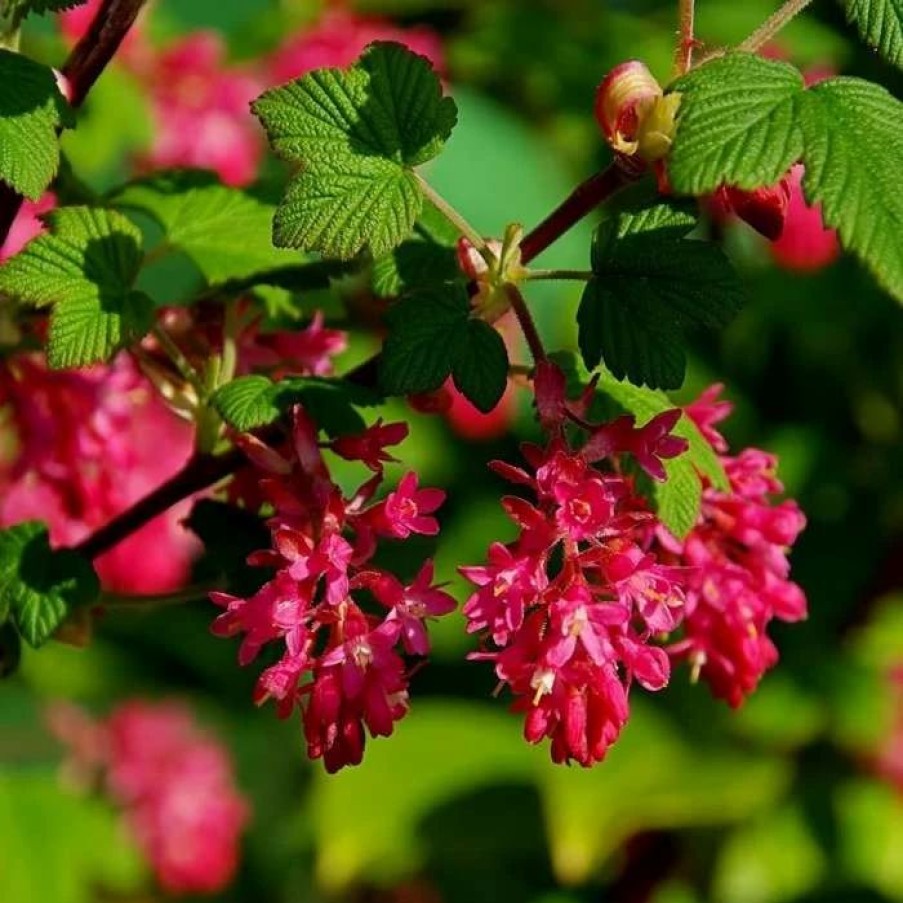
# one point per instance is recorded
(765, 209)
(635, 116)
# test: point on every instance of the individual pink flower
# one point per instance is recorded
(174, 784)
(303, 352)
(369, 447)
(87, 445)
(344, 668)
(339, 38)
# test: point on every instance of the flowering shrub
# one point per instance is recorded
(148, 432)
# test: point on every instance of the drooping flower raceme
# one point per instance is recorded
(342, 626)
(595, 594)
(172, 780)
(736, 565)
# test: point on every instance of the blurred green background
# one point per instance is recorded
(776, 803)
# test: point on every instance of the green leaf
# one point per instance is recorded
(19, 9)
(41, 585)
(253, 401)
(854, 168)
(247, 402)
(224, 230)
(738, 124)
(84, 268)
(10, 650)
(425, 329)
(677, 500)
(356, 135)
(651, 286)
(412, 265)
(641, 208)
(880, 23)
(480, 367)
(32, 111)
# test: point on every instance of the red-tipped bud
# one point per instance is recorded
(636, 118)
(765, 209)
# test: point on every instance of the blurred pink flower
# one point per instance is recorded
(83, 445)
(338, 39)
(26, 225)
(173, 782)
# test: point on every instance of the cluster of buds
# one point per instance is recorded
(173, 782)
(343, 626)
(595, 593)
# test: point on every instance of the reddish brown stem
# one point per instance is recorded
(527, 324)
(88, 59)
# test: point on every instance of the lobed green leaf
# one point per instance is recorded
(880, 23)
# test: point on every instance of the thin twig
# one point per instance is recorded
(683, 55)
(771, 26)
(548, 275)
(456, 220)
(179, 361)
(527, 325)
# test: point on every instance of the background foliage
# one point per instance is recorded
(776, 803)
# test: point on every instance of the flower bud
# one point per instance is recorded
(765, 209)
(635, 116)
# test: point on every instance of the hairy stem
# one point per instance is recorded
(771, 26)
(683, 55)
(456, 219)
(549, 275)
(179, 361)
(527, 324)
(83, 67)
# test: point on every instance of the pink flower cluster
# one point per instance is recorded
(173, 782)
(584, 601)
(200, 101)
(81, 446)
(737, 567)
(342, 625)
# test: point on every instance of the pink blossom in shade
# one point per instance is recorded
(339, 38)
(201, 110)
(175, 786)
(806, 244)
(305, 352)
(649, 445)
(88, 444)
(345, 669)
(26, 225)
(369, 447)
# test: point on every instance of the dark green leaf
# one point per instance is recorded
(356, 136)
(85, 268)
(880, 22)
(480, 367)
(41, 585)
(32, 110)
(10, 650)
(423, 339)
(738, 124)
(413, 265)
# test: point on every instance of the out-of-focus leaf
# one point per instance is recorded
(651, 778)
(772, 859)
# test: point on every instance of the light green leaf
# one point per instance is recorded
(738, 124)
(480, 368)
(357, 136)
(880, 22)
(84, 267)
(41, 586)
(225, 231)
(854, 168)
(246, 402)
(32, 111)
(18, 9)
